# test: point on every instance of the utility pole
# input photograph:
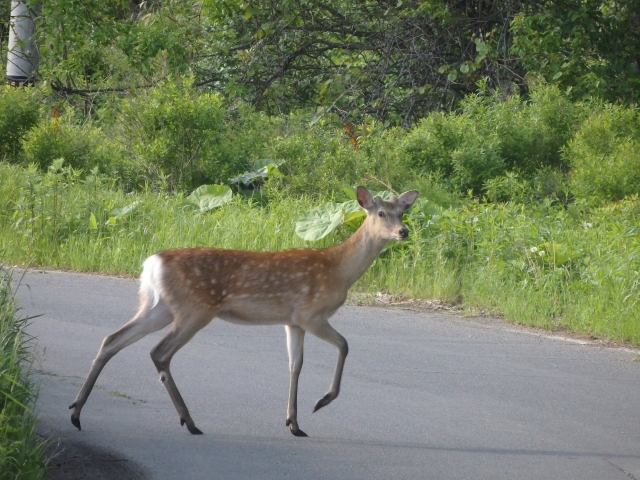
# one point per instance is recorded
(22, 58)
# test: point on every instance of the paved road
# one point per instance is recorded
(424, 396)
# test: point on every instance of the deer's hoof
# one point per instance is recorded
(323, 402)
(76, 422)
(295, 430)
(191, 427)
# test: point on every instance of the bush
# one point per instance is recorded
(489, 137)
(531, 132)
(19, 113)
(81, 147)
(318, 162)
(429, 145)
(174, 132)
(605, 155)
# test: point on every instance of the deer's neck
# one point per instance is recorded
(357, 253)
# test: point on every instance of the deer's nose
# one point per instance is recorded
(404, 232)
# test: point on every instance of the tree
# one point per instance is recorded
(393, 60)
(589, 47)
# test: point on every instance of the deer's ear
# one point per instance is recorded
(407, 198)
(364, 198)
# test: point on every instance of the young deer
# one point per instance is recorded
(300, 289)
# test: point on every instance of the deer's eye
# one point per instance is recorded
(382, 214)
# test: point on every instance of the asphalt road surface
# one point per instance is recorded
(424, 396)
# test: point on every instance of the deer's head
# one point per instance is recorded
(385, 216)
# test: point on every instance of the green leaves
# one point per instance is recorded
(320, 221)
(208, 197)
(124, 211)
(262, 169)
(353, 213)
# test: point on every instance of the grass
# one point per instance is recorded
(21, 449)
(541, 264)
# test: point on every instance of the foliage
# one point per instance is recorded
(262, 169)
(383, 59)
(91, 45)
(487, 138)
(544, 264)
(588, 47)
(19, 113)
(21, 450)
(208, 197)
(392, 61)
(81, 147)
(173, 137)
(320, 221)
(173, 132)
(605, 155)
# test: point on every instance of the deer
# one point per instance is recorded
(301, 289)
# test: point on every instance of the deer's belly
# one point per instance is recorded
(241, 317)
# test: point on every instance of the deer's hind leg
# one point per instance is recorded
(149, 319)
(182, 330)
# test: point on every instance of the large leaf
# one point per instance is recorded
(383, 195)
(320, 221)
(208, 197)
(353, 212)
(124, 211)
(350, 191)
(249, 177)
(261, 169)
(265, 162)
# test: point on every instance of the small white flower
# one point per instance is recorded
(541, 253)
(475, 219)
(587, 225)
(534, 249)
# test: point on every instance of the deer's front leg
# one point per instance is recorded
(295, 348)
(328, 333)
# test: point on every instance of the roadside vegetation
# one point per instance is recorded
(528, 207)
(21, 448)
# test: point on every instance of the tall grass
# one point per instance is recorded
(541, 264)
(21, 450)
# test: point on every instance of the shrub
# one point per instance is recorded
(82, 147)
(19, 113)
(605, 155)
(317, 162)
(173, 131)
(429, 144)
(531, 132)
(489, 137)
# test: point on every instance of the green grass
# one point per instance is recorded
(21, 449)
(481, 255)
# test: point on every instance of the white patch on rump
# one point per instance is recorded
(150, 278)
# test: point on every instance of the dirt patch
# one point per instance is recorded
(69, 460)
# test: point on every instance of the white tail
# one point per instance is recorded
(300, 289)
